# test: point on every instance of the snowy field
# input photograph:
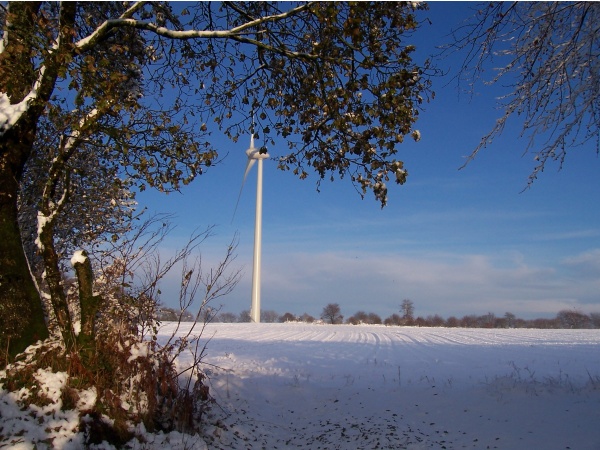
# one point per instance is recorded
(305, 386)
(290, 386)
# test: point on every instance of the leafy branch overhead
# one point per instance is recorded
(98, 99)
(334, 79)
(331, 78)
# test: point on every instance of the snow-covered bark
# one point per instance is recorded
(10, 113)
(58, 185)
(88, 302)
(24, 91)
(239, 33)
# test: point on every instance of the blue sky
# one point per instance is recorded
(453, 241)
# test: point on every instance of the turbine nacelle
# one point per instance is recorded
(254, 153)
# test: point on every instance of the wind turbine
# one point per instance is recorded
(255, 155)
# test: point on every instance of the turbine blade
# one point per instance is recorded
(249, 165)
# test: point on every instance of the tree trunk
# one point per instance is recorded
(89, 303)
(53, 278)
(21, 315)
(22, 319)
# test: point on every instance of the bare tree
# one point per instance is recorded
(288, 317)
(227, 317)
(374, 319)
(469, 321)
(452, 322)
(511, 320)
(244, 316)
(571, 318)
(362, 317)
(407, 309)
(307, 318)
(435, 321)
(269, 316)
(394, 319)
(486, 320)
(332, 313)
(548, 54)
(358, 318)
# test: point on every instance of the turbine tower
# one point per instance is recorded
(255, 155)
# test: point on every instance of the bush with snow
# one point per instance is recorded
(124, 389)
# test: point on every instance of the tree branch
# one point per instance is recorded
(235, 33)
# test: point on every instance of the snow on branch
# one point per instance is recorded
(10, 114)
(50, 210)
(79, 257)
(73, 141)
(235, 33)
(4, 38)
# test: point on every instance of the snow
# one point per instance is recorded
(138, 350)
(79, 257)
(10, 114)
(348, 387)
(311, 386)
(42, 220)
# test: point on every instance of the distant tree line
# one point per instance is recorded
(564, 319)
(166, 314)
(331, 314)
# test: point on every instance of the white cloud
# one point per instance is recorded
(571, 234)
(586, 263)
(446, 283)
(443, 284)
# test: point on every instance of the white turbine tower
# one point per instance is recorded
(255, 155)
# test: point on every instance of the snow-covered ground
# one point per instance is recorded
(349, 387)
(280, 386)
